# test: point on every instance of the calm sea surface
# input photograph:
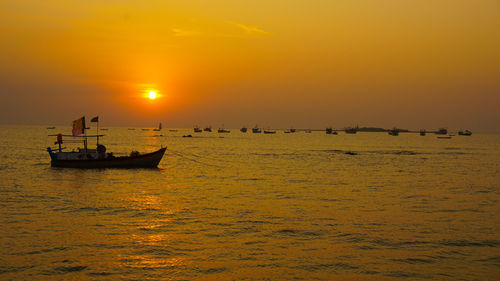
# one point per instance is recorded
(252, 207)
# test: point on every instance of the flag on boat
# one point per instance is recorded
(79, 126)
(95, 119)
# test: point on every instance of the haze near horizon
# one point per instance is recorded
(306, 64)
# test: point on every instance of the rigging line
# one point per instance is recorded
(213, 158)
(192, 154)
(194, 160)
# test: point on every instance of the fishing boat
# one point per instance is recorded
(422, 132)
(208, 129)
(243, 129)
(158, 129)
(441, 131)
(222, 130)
(97, 158)
(269, 132)
(256, 130)
(329, 130)
(197, 129)
(464, 133)
(393, 132)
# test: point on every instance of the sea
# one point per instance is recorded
(244, 206)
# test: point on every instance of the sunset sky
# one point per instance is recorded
(307, 64)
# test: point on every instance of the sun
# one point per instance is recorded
(152, 95)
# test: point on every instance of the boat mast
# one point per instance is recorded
(85, 141)
(97, 131)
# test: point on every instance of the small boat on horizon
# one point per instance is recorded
(269, 132)
(208, 129)
(222, 130)
(256, 130)
(422, 132)
(393, 132)
(243, 129)
(158, 129)
(464, 133)
(441, 131)
(197, 129)
(51, 128)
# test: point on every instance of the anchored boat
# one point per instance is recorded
(464, 133)
(97, 158)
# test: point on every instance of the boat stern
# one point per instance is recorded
(53, 155)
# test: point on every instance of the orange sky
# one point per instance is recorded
(307, 64)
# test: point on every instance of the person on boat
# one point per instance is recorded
(101, 150)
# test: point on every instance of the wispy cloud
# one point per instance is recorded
(186, 33)
(226, 29)
(249, 29)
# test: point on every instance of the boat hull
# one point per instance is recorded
(148, 160)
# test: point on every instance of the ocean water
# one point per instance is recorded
(254, 207)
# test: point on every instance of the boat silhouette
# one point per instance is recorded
(99, 157)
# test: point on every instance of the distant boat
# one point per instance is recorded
(104, 129)
(222, 130)
(308, 131)
(422, 132)
(351, 130)
(158, 129)
(51, 128)
(394, 132)
(256, 130)
(243, 129)
(447, 137)
(208, 129)
(269, 132)
(330, 131)
(197, 129)
(441, 131)
(292, 130)
(464, 133)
